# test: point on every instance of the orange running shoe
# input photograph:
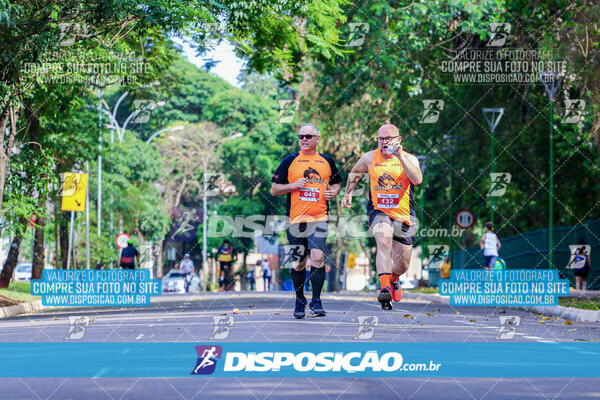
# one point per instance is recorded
(396, 290)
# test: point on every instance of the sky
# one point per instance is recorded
(229, 66)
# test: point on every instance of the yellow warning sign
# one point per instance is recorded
(73, 191)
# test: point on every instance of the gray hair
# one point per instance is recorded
(313, 126)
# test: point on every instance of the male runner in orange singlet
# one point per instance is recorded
(393, 174)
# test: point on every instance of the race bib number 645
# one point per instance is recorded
(309, 194)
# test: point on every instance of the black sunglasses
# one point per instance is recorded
(306, 137)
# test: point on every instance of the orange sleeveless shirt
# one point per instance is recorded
(391, 190)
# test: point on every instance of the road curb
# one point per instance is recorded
(571, 313)
(23, 308)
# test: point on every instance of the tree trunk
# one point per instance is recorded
(64, 239)
(38, 249)
(13, 256)
(7, 113)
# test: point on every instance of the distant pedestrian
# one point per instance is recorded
(266, 273)
(251, 279)
(128, 256)
(581, 262)
(490, 244)
(445, 269)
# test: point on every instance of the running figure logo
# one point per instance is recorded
(207, 359)
(142, 111)
(366, 326)
(499, 34)
(500, 181)
(580, 252)
(431, 111)
(77, 327)
(221, 327)
(437, 252)
(573, 111)
(292, 253)
(358, 31)
(287, 110)
(148, 255)
(508, 324)
(69, 31)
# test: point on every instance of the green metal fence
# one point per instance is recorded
(529, 250)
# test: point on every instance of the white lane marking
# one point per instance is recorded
(141, 335)
(533, 337)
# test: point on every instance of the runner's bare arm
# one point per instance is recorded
(278, 189)
(332, 191)
(361, 167)
(410, 164)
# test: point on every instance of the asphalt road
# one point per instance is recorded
(267, 318)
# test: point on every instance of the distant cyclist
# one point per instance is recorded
(186, 266)
(226, 255)
(490, 244)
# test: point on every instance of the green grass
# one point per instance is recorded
(431, 290)
(19, 292)
(586, 303)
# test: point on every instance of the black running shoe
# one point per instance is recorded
(300, 306)
(385, 298)
(317, 308)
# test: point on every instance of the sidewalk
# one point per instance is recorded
(571, 313)
(22, 308)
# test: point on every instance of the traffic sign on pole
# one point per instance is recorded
(122, 240)
(464, 219)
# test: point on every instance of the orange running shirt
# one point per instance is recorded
(391, 191)
(307, 204)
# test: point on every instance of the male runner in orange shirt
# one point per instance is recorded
(310, 180)
(393, 173)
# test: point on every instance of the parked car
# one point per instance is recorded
(173, 282)
(22, 272)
